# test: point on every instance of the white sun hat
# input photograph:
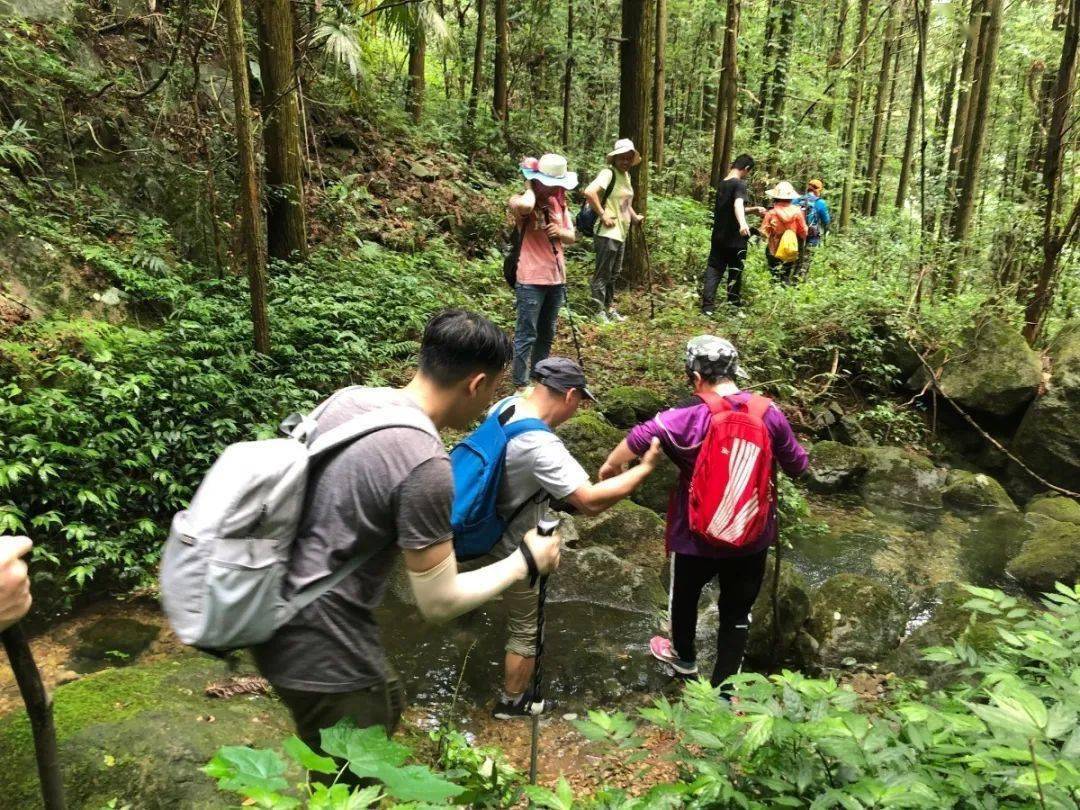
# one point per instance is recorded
(622, 146)
(550, 170)
(783, 191)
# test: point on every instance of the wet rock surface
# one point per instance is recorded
(1051, 554)
(635, 534)
(855, 618)
(787, 642)
(975, 492)
(835, 467)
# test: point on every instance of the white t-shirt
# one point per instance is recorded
(538, 466)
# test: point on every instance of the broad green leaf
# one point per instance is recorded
(302, 753)
(239, 767)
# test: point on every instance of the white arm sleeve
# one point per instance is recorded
(442, 593)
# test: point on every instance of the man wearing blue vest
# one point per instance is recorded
(539, 468)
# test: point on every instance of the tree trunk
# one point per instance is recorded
(963, 102)
(873, 149)
(502, 60)
(709, 93)
(768, 58)
(780, 68)
(879, 171)
(944, 115)
(1040, 125)
(658, 84)
(978, 114)
(852, 129)
(1054, 237)
(568, 74)
(478, 61)
(836, 55)
(635, 83)
(414, 99)
(250, 224)
(285, 225)
(727, 95)
(915, 108)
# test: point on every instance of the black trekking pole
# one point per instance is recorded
(649, 274)
(566, 298)
(545, 528)
(39, 710)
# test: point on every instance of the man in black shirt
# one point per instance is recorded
(729, 235)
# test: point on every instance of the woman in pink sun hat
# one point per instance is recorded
(541, 217)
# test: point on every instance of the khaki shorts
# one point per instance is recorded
(519, 602)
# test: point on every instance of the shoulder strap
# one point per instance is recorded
(365, 423)
(302, 427)
(515, 429)
(758, 406)
(305, 596)
(715, 402)
(610, 187)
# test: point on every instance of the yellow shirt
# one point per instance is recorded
(617, 205)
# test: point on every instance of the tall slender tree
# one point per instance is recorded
(414, 98)
(635, 83)
(1056, 236)
(768, 59)
(478, 61)
(502, 61)
(851, 130)
(658, 107)
(957, 146)
(727, 95)
(873, 149)
(774, 124)
(836, 55)
(286, 227)
(568, 74)
(879, 171)
(251, 242)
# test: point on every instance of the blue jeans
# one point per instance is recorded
(537, 314)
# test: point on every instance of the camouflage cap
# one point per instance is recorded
(712, 357)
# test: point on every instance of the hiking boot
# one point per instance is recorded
(708, 313)
(662, 650)
(524, 706)
(602, 318)
(614, 315)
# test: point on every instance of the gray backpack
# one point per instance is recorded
(224, 564)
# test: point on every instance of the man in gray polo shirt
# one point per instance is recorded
(539, 469)
(386, 495)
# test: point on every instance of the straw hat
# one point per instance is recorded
(622, 146)
(783, 191)
(550, 170)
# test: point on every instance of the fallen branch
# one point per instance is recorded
(967, 418)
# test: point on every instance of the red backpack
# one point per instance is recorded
(731, 488)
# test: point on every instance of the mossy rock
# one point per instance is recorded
(1048, 440)
(897, 479)
(627, 405)
(949, 621)
(972, 493)
(1056, 507)
(115, 637)
(854, 617)
(656, 489)
(590, 438)
(1051, 554)
(992, 539)
(599, 576)
(634, 533)
(139, 735)
(994, 370)
(793, 645)
(835, 467)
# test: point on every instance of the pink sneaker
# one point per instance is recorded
(662, 650)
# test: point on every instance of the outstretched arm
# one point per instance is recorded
(592, 499)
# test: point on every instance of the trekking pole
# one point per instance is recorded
(545, 528)
(648, 273)
(776, 594)
(566, 298)
(39, 710)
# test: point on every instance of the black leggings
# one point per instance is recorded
(740, 580)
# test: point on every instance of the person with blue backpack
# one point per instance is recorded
(506, 474)
(816, 212)
(385, 492)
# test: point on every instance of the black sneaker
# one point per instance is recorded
(524, 706)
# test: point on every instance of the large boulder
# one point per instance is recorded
(590, 438)
(1048, 440)
(993, 371)
(656, 489)
(835, 467)
(598, 575)
(1056, 507)
(972, 493)
(787, 642)
(991, 540)
(626, 405)
(899, 480)
(38, 9)
(634, 533)
(854, 617)
(138, 736)
(1051, 554)
(949, 621)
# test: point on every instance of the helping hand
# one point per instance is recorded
(545, 549)
(14, 583)
(652, 455)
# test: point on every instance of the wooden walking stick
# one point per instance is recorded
(648, 273)
(39, 710)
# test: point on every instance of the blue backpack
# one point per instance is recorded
(808, 203)
(478, 463)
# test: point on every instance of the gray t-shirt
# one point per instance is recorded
(388, 490)
(538, 467)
